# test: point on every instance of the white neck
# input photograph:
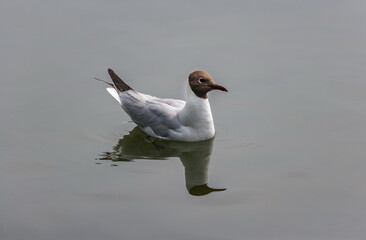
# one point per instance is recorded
(197, 116)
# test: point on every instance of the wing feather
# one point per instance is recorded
(151, 113)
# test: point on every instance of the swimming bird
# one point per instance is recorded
(170, 119)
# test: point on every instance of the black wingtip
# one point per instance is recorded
(110, 71)
(118, 82)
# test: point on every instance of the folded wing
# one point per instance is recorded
(154, 115)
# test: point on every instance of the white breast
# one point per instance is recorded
(196, 118)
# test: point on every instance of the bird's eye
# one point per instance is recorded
(201, 80)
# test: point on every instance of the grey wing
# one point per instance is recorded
(171, 102)
(150, 114)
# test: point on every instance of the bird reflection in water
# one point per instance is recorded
(195, 157)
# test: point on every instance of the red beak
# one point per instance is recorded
(219, 87)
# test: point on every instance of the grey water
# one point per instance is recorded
(288, 158)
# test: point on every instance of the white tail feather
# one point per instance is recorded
(114, 94)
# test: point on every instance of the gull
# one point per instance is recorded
(170, 119)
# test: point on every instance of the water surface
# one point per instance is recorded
(291, 133)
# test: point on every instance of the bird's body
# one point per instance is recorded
(170, 119)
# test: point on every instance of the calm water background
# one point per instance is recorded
(291, 132)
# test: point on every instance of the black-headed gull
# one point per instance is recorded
(170, 119)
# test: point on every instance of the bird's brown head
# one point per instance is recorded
(201, 83)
